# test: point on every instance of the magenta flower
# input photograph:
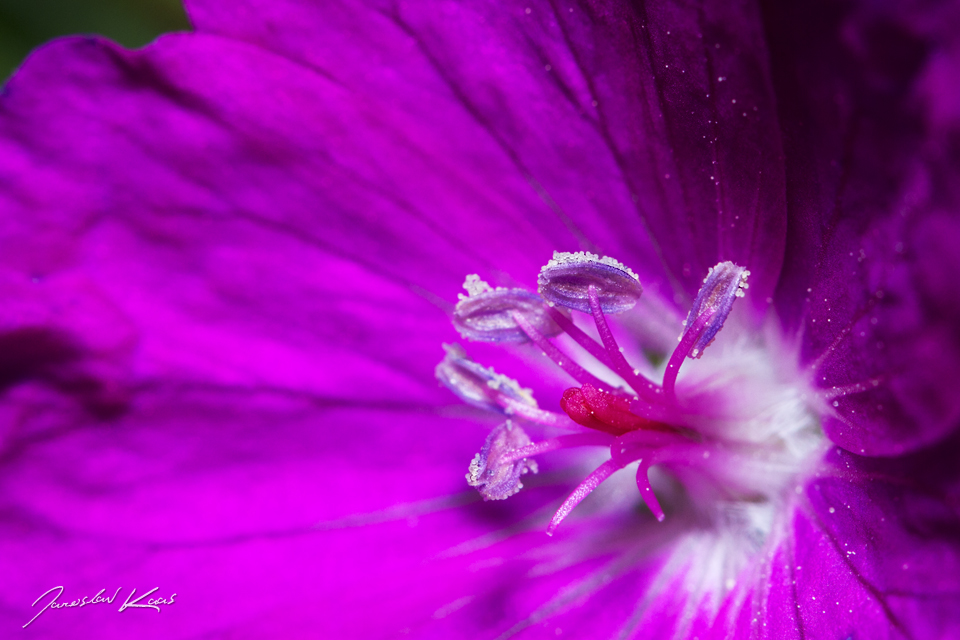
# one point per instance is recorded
(229, 262)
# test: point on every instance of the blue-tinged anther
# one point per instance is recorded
(478, 385)
(567, 278)
(495, 475)
(488, 315)
(724, 283)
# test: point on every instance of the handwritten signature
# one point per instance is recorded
(129, 603)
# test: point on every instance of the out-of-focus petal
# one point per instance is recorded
(869, 111)
(188, 202)
(243, 502)
(650, 132)
(268, 512)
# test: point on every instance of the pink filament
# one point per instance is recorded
(581, 338)
(657, 412)
(561, 359)
(592, 481)
(533, 414)
(646, 492)
(555, 444)
(681, 352)
(618, 363)
(647, 447)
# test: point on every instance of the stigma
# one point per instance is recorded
(738, 428)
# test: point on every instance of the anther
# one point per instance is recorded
(567, 278)
(724, 283)
(495, 475)
(478, 385)
(487, 314)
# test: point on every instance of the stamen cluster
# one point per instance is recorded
(642, 421)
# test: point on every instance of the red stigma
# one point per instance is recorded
(605, 411)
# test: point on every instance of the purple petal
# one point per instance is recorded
(651, 134)
(212, 229)
(267, 512)
(877, 552)
(217, 496)
(865, 101)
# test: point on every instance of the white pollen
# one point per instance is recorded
(474, 286)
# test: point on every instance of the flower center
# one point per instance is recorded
(737, 429)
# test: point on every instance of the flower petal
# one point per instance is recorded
(876, 553)
(871, 268)
(650, 132)
(186, 203)
(245, 503)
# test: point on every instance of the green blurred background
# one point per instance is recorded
(24, 24)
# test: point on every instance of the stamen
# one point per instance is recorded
(565, 281)
(478, 385)
(487, 314)
(687, 341)
(591, 284)
(723, 285)
(492, 472)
